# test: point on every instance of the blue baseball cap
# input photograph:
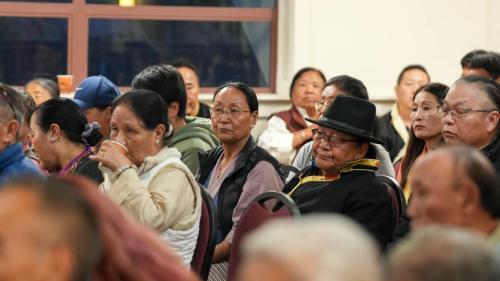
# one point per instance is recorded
(95, 91)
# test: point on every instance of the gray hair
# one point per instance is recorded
(332, 247)
(443, 253)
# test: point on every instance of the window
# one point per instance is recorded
(225, 39)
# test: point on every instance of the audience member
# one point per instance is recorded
(456, 186)
(191, 135)
(325, 248)
(42, 90)
(238, 170)
(342, 178)
(63, 139)
(336, 86)
(441, 253)
(147, 177)
(94, 95)
(287, 130)
(12, 159)
(471, 116)
(63, 229)
(482, 63)
(192, 82)
(425, 131)
(28, 106)
(394, 125)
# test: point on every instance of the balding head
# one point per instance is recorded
(455, 186)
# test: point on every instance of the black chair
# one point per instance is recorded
(287, 169)
(255, 215)
(204, 251)
(396, 193)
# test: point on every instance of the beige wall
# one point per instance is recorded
(373, 40)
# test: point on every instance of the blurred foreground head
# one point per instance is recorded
(313, 248)
(63, 229)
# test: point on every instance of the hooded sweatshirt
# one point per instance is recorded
(195, 137)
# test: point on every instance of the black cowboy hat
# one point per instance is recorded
(350, 115)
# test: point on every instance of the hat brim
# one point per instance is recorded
(82, 104)
(345, 128)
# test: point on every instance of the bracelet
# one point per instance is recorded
(122, 169)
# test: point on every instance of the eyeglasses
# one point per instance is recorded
(231, 112)
(460, 112)
(332, 140)
(4, 96)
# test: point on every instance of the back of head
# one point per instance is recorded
(478, 168)
(349, 86)
(322, 247)
(412, 67)
(440, 253)
(466, 60)
(69, 222)
(95, 91)
(489, 61)
(11, 102)
(167, 82)
(70, 119)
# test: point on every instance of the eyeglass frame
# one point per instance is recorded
(227, 111)
(333, 140)
(455, 114)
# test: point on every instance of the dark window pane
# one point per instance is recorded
(32, 47)
(197, 3)
(40, 1)
(222, 51)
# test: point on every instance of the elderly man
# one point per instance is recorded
(13, 162)
(471, 116)
(458, 186)
(441, 253)
(393, 126)
(313, 248)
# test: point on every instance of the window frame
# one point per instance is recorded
(78, 14)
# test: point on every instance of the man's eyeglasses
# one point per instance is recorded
(332, 140)
(460, 112)
(231, 112)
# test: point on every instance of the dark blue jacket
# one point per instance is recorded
(13, 162)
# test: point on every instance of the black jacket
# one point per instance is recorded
(492, 151)
(387, 133)
(232, 187)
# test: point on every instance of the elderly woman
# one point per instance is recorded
(426, 126)
(287, 130)
(63, 140)
(145, 176)
(239, 170)
(342, 178)
(42, 90)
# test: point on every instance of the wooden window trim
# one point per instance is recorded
(78, 14)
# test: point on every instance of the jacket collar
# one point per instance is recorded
(11, 154)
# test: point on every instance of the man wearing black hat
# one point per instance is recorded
(342, 176)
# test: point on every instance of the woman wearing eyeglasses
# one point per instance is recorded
(238, 170)
(342, 176)
(426, 126)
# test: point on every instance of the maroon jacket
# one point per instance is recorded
(293, 119)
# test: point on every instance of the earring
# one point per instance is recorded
(157, 141)
(253, 125)
(52, 139)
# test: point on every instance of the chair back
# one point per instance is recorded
(204, 251)
(397, 196)
(255, 215)
(289, 170)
